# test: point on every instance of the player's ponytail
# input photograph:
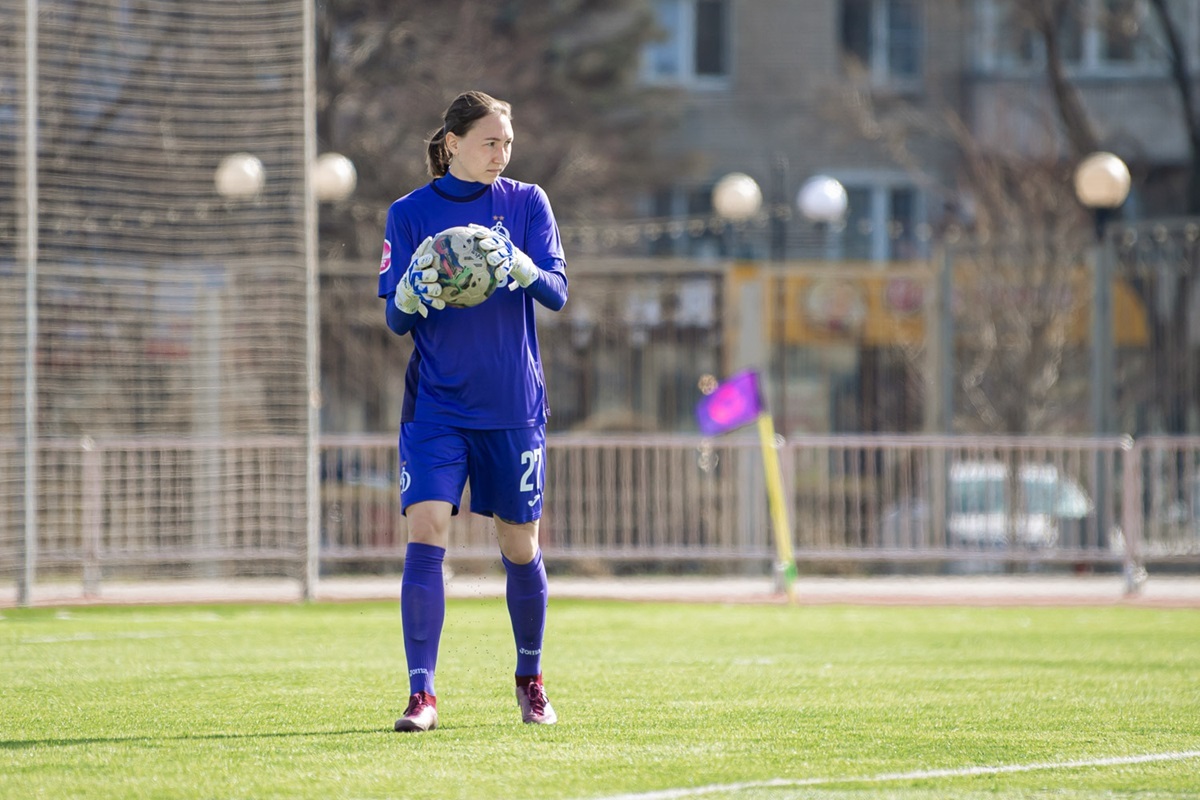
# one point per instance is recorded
(467, 109)
(437, 156)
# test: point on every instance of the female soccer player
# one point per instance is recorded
(474, 396)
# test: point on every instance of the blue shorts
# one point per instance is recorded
(506, 468)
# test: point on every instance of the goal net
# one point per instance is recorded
(158, 324)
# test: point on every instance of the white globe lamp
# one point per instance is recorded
(736, 197)
(1102, 181)
(239, 177)
(822, 199)
(334, 177)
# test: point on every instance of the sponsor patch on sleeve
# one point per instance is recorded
(386, 263)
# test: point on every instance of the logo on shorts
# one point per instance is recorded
(405, 479)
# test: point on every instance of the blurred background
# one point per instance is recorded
(959, 238)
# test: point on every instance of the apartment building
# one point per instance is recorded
(784, 90)
(874, 93)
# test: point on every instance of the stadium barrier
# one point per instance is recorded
(161, 508)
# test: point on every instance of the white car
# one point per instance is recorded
(1050, 509)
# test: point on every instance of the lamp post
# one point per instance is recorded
(1102, 184)
(823, 200)
(334, 177)
(737, 198)
(239, 176)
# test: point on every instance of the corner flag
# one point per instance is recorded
(736, 402)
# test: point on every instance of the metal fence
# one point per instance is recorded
(142, 509)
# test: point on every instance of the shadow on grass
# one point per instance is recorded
(22, 744)
(19, 744)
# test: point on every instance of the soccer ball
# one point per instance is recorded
(466, 277)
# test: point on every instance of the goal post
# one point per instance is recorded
(159, 384)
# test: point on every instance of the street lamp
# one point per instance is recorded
(239, 176)
(334, 177)
(823, 200)
(1102, 184)
(736, 197)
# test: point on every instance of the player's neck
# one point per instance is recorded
(458, 187)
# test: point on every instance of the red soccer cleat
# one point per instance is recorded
(421, 714)
(535, 706)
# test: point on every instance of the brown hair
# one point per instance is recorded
(467, 109)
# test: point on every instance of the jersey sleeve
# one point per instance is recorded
(542, 241)
(398, 249)
(544, 245)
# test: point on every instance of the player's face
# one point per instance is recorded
(483, 152)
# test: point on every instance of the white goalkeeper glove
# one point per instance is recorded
(419, 288)
(508, 259)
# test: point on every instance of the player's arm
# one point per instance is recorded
(397, 320)
(547, 285)
(416, 292)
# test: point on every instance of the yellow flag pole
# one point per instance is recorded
(777, 502)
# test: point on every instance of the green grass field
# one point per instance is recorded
(654, 700)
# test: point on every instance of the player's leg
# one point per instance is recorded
(507, 475)
(527, 592)
(433, 470)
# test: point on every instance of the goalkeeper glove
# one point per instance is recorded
(419, 288)
(508, 259)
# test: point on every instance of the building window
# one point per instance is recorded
(1095, 37)
(884, 36)
(694, 43)
(884, 222)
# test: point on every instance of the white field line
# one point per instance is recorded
(700, 791)
(101, 637)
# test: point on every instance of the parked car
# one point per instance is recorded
(1175, 530)
(1053, 509)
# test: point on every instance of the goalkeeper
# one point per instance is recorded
(474, 396)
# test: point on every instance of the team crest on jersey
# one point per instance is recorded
(386, 263)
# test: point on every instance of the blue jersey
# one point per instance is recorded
(477, 367)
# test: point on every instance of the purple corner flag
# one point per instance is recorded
(734, 403)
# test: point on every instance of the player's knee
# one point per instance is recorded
(429, 523)
(518, 540)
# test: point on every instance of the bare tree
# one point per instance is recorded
(1017, 240)
(1181, 77)
(1162, 390)
(388, 68)
(1029, 237)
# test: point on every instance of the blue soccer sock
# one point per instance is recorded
(527, 593)
(422, 612)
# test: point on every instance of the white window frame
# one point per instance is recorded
(992, 60)
(683, 40)
(880, 33)
(880, 185)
